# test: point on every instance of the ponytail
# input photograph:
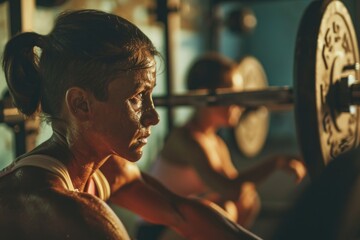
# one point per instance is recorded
(21, 68)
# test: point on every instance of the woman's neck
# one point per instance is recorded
(80, 157)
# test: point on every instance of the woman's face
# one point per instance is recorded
(123, 122)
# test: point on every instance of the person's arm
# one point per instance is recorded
(290, 164)
(229, 187)
(149, 199)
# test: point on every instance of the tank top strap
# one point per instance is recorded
(102, 185)
(56, 167)
(45, 162)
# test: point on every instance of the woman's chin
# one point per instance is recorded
(135, 156)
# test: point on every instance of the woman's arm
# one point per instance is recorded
(148, 198)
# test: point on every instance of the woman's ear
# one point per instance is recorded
(77, 102)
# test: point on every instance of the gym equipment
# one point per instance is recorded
(325, 94)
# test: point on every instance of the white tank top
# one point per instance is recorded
(56, 167)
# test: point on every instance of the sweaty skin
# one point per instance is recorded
(109, 134)
(35, 204)
(148, 198)
(201, 166)
(98, 130)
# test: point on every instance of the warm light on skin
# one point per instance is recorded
(248, 195)
(140, 102)
(299, 169)
(123, 122)
(235, 111)
(237, 81)
(293, 166)
(228, 116)
(146, 85)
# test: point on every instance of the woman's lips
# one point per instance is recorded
(143, 140)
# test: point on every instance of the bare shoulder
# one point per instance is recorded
(41, 211)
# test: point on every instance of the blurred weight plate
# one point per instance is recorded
(252, 129)
(326, 50)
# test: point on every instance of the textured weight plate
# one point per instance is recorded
(326, 43)
(252, 130)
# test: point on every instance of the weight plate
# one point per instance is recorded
(326, 46)
(252, 129)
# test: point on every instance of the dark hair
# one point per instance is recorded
(86, 48)
(210, 71)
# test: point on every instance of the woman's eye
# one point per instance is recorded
(136, 102)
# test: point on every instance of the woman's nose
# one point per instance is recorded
(150, 117)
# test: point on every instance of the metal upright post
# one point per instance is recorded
(15, 17)
(165, 14)
(16, 26)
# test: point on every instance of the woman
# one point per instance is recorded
(195, 161)
(92, 78)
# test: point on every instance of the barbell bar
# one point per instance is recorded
(272, 98)
(346, 93)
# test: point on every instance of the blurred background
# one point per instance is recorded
(182, 30)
